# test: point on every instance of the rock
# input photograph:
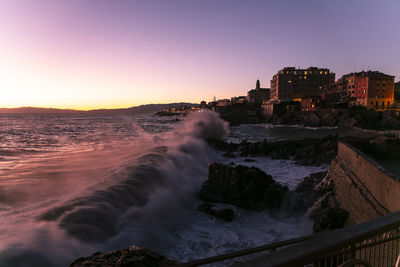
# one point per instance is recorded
(249, 160)
(326, 211)
(242, 186)
(224, 214)
(328, 216)
(302, 197)
(310, 151)
(132, 256)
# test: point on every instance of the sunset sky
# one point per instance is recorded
(118, 53)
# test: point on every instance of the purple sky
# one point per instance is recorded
(98, 53)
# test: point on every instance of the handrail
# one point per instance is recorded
(325, 243)
(235, 254)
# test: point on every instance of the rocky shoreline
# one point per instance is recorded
(308, 152)
(252, 189)
(291, 114)
(335, 117)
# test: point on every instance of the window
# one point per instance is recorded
(364, 91)
(376, 103)
(383, 104)
(388, 103)
(372, 103)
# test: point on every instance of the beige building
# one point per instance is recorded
(371, 89)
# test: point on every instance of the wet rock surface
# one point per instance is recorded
(309, 151)
(242, 186)
(326, 211)
(303, 197)
(132, 256)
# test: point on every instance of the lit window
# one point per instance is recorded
(326, 72)
(305, 77)
(305, 72)
(289, 81)
(320, 72)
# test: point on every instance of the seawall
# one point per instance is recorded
(362, 186)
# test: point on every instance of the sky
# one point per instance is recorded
(87, 54)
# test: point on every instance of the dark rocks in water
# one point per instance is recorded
(303, 197)
(342, 117)
(132, 256)
(326, 211)
(242, 186)
(308, 151)
(249, 160)
(224, 214)
(329, 219)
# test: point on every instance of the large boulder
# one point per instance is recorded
(327, 214)
(132, 256)
(242, 186)
(326, 211)
(302, 198)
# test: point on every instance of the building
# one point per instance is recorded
(311, 103)
(371, 89)
(239, 100)
(291, 84)
(397, 92)
(258, 95)
(223, 102)
(337, 93)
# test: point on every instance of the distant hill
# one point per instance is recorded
(32, 110)
(139, 110)
(142, 109)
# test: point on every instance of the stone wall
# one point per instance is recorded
(363, 187)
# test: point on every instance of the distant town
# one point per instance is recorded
(308, 90)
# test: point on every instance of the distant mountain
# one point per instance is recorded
(32, 110)
(138, 110)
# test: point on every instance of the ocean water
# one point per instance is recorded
(73, 185)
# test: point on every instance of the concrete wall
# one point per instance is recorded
(363, 188)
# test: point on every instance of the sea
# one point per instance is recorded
(72, 185)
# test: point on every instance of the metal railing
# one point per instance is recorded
(373, 243)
